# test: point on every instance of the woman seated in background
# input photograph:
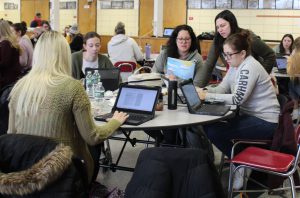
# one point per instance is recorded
(225, 25)
(27, 49)
(293, 70)
(182, 45)
(46, 25)
(122, 47)
(248, 85)
(49, 102)
(285, 46)
(89, 56)
(10, 68)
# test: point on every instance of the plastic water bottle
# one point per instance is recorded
(99, 92)
(148, 51)
(89, 84)
(96, 77)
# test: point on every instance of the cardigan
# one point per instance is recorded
(103, 62)
(160, 65)
(259, 50)
(10, 68)
(64, 115)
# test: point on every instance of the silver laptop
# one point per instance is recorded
(138, 101)
(196, 106)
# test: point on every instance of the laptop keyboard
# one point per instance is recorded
(133, 118)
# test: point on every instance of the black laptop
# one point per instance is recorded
(168, 32)
(281, 64)
(110, 77)
(196, 106)
(138, 101)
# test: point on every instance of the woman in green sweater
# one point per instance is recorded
(49, 102)
(89, 56)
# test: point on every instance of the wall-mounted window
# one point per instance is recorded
(117, 4)
(71, 5)
(244, 4)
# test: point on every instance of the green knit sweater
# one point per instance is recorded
(64, 115)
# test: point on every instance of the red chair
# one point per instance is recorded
(266, 161)
(283, 100)
(125, 66)
(126, 69)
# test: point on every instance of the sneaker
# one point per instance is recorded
(238, 179)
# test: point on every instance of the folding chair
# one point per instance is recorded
(267, 161)
(282, 99)
(126, 69)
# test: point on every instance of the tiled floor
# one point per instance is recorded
(121, 178)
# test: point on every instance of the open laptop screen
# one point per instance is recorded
(281, 63)
(137, 99)
(191, 95)
(168, 32)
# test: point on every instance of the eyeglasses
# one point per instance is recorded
(228, 55)
(181, 40)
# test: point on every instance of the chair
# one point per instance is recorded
(267, 161)
(126, 69)
(282, 99)
(174, 172)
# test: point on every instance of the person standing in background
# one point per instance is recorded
(225, 25)
(37, 21)
(122, 47)
(285, 46)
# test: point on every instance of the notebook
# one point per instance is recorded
(168, 32)
(110, 77)
(196, 106)
(281, 64)
(138, 101)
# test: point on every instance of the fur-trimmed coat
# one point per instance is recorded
(32, 166)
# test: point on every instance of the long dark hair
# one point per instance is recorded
(281, 48)
(172, 49)
(240, 41)
(19, 27)
(219, 40)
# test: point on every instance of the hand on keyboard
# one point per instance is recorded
(120, 116)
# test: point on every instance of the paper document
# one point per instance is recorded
(181, 68)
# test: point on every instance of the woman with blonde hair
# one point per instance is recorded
(10, 68)
(49, 102)
(293, 70)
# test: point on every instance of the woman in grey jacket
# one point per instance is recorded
(249, 86)
(225, 25)
(181, 45)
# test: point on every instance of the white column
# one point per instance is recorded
(54, 15)
(158, 18)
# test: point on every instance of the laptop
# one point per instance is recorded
(136, 100)
(168, 32)
(281, 64)
(110, 77)
(196, 106)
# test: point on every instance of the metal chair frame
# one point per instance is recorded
(289, 173)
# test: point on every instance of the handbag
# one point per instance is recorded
(147, 79)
